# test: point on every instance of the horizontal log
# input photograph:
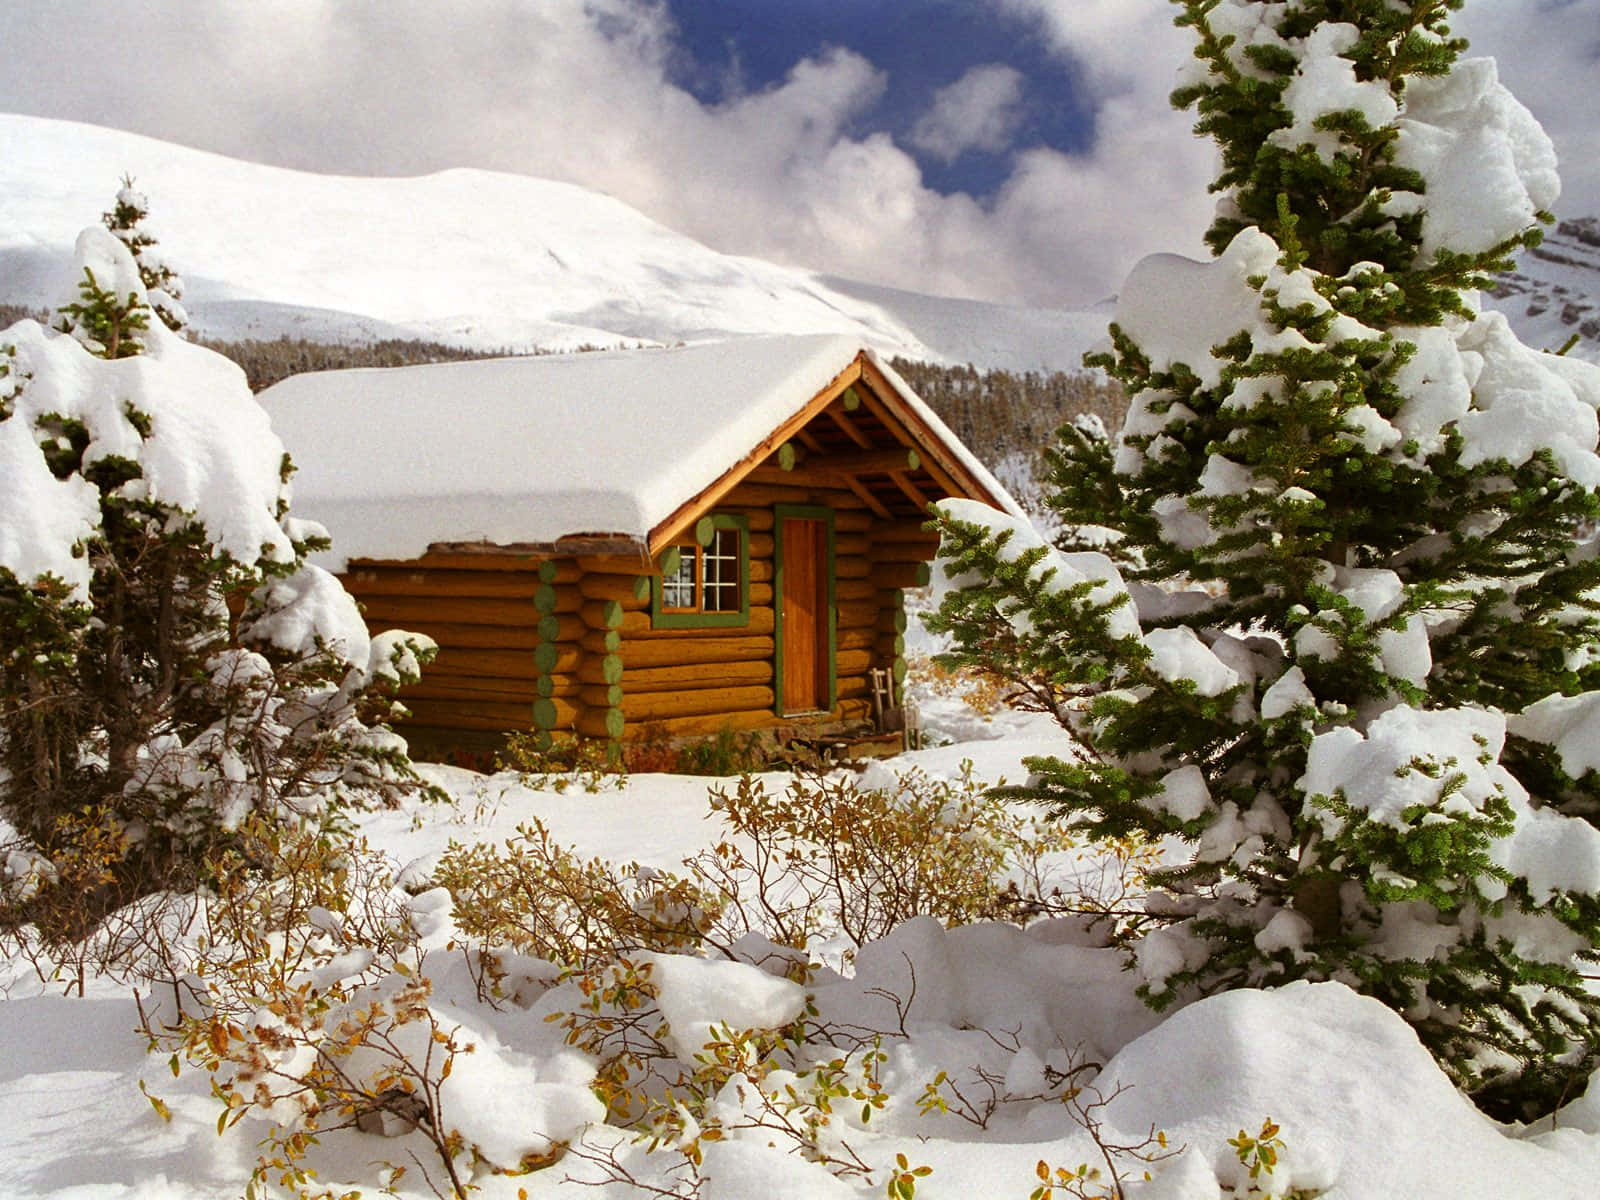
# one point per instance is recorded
(552, 598)
(704, 726)
(600, 641)
(600, 668)
(600, 695)
(851, 568)
(630, 591)
(760, 593)
(603, 614)
(494, 637)
(471, 688)
(762, 570)
(608, 723)
(887, 647)
(812, 477)
(566, 684)
(761, 545)
(860, 638)
(554, 713)
(493, 664)
(870, 462)
(561, 627)
(697, 675)
(854, 710)
(858, 613)
(892, 619)
(551, 658)
(855, 589)
(650, 706)
(471, 714)
(759, 519)
(852, 686)
(857, 521)
(637, 625)
(388, 611)
(883, 532)
(413, 581)
(850, 545)
(898, 552)
(546, 570)
(639, 654)
(614, 564)
(763, 494)
(851, 662)
(901, 574)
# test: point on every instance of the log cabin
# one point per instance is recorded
(644, 544)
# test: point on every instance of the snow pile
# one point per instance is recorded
(1362, 1108)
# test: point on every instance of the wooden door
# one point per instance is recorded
(806, 642)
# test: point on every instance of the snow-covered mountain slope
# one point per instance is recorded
(1555, 290)
(468, 257)
(496, 261)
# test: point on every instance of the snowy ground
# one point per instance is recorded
(1363, 1111)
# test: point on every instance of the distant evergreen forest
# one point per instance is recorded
(1006, 418)
(1009, 418)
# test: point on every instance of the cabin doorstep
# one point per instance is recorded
(635, 545)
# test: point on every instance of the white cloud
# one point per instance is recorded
(979, 111)
(580, 90)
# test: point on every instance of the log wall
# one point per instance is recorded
(566, 645)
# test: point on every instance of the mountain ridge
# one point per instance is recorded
(485, 260)
(469, 257)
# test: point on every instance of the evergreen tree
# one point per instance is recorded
(163, 286)
(170, 665)
(1345, 641)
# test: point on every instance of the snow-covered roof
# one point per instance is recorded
(529, 450)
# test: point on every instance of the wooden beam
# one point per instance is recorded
(871, 462)
(850, 428)
(902, 480)
(871, 501)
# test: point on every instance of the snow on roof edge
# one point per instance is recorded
(526, 437)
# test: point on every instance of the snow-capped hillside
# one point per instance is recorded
(1555, 290)
(468, 257)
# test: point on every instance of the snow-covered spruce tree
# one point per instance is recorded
(169, 662)
(163, 286)
(1355, 659)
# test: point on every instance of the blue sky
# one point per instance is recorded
(922, 46)
(1018, 151)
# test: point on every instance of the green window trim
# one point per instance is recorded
(807, 512)
(662, 617)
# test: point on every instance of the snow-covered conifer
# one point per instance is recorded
(163, 286)
(1345, 640)
(169, 662)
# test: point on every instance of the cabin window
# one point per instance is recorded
(710, 584)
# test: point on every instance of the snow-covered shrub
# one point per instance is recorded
(168, 659)
(1345, 645)
(824, 860)
(537, 897)
(305, 994)
(828, 858)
